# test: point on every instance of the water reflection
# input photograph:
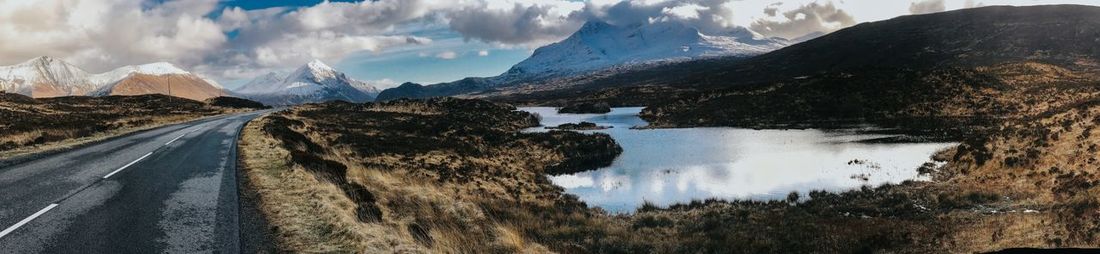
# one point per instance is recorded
(666, 166)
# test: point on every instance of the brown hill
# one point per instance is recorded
(44, 89)
(185, 86)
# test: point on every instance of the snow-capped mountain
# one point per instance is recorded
(160, 68)
(45, 77)
(599, 45)
(156, 78)
(365, 87)
(313, 82)
(264, 84)
(49, 77)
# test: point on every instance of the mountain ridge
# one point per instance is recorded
(313, 82)
(599, 45)
(49, 77)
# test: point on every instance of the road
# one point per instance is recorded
(168, 190)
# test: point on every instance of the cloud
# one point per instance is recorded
(446, 55)
(772, 10)
(709, 16)
(483, 53)
(103, 34)
(517, 24)
(928, 6)
(687, 11)
(232, 43)
(971, 4)
(806, 19)
(279, 38)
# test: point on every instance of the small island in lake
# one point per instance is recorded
(582, 126)
(586, 108)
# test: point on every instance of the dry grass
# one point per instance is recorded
(37, 125)
(311, 216)
(457, 178)
(29, 137)
(442, 196)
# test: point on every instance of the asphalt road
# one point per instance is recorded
(168, 190)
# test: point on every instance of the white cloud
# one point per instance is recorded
(483, 53)
(806, 19)
(446, 55)
(687, 11)
(518, 23)
(103, 34)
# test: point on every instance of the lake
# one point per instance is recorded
(668, 166)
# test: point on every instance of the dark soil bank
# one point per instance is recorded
(586, 108)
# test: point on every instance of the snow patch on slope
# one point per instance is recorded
(120, 73)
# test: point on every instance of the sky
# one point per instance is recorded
(387, 42)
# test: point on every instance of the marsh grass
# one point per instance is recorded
(31, 125)
(457, 176)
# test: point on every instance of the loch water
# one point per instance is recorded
(668, 166)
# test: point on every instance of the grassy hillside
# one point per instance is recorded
(437, 176)
(31, 125)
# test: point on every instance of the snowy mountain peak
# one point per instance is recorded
(316, 64)
(42, 60)
(44, 77)
(313, 82)
(315, 71)
(599, 45)
(593, 27)
(47, 64)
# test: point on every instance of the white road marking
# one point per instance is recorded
(52, 206)
(177, 138)
(128, 165)
(27, 220)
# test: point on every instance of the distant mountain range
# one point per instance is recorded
(313, 82)
(599, 45)
(49, 77)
